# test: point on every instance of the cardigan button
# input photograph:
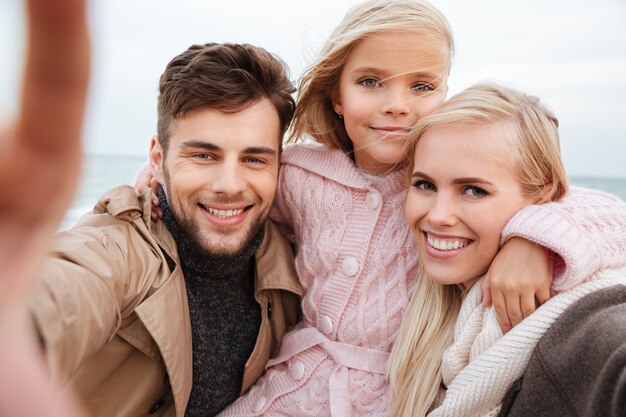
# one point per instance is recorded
(326, 324)
(260, 403)
(372, 200)
(350, 266)
(297, 370)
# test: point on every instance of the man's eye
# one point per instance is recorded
(202, 156)
(424, 185)
(369, 82)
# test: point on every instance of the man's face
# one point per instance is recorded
(220, 174)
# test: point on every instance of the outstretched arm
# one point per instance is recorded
(39, 166)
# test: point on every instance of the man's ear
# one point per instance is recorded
(157, 159)
(546, 194)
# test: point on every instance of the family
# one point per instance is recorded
(416, 255)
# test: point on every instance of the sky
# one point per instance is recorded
(571, 54)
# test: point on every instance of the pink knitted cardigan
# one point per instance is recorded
(357, 262)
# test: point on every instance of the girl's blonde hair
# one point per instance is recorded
(314, 116)
(427, 328)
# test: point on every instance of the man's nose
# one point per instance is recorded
(229, 179)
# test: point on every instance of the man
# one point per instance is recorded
(179, 317)
(39, 165)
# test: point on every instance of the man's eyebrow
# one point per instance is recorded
(260, 150)
(200, 144)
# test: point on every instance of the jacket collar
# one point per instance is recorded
(274, 263)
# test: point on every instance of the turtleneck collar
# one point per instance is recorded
(196, 262)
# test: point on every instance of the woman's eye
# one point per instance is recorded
(475, 192)
(369, 82)
(424, 185)
(423, 87)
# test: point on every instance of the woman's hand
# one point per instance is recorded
(518, 281)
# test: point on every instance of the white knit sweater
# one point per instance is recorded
(482, 363)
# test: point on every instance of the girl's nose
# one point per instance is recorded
(397, 103)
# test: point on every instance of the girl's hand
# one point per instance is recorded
(145, 179)
(518, 281)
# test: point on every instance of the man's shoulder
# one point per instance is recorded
(122, 199)
(120, 215)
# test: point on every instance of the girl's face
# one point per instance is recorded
(388, 83)
(463, 191)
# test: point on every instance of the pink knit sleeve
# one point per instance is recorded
(280, 213)
(587, 230)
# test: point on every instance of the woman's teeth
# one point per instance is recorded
(446, 245)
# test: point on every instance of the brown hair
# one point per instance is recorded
(315, 115)
(224, 77)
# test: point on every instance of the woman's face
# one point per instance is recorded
(463, 191)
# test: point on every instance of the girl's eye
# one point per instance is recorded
(472, 191)
(422, 87)
(369, 82)
(424, 185)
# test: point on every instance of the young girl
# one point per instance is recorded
(341, 202)
(484, 155)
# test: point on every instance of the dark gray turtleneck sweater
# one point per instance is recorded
(225, 318)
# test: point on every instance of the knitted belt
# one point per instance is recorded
(345, 356)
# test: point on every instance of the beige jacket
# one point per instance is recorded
(112, 312)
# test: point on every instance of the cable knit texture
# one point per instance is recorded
(587, 230)
(357, 262)
(482, 364)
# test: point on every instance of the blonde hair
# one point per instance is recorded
(314, 116)
(427, 328)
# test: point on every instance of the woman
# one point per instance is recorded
(484, 155)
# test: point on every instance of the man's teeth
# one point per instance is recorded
(447, 245)
(224, 213)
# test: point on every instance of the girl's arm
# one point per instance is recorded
(584, 233)
(587, 232)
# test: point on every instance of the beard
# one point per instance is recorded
(213, 245)
(213, 242)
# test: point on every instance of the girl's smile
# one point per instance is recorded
(389, 81)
